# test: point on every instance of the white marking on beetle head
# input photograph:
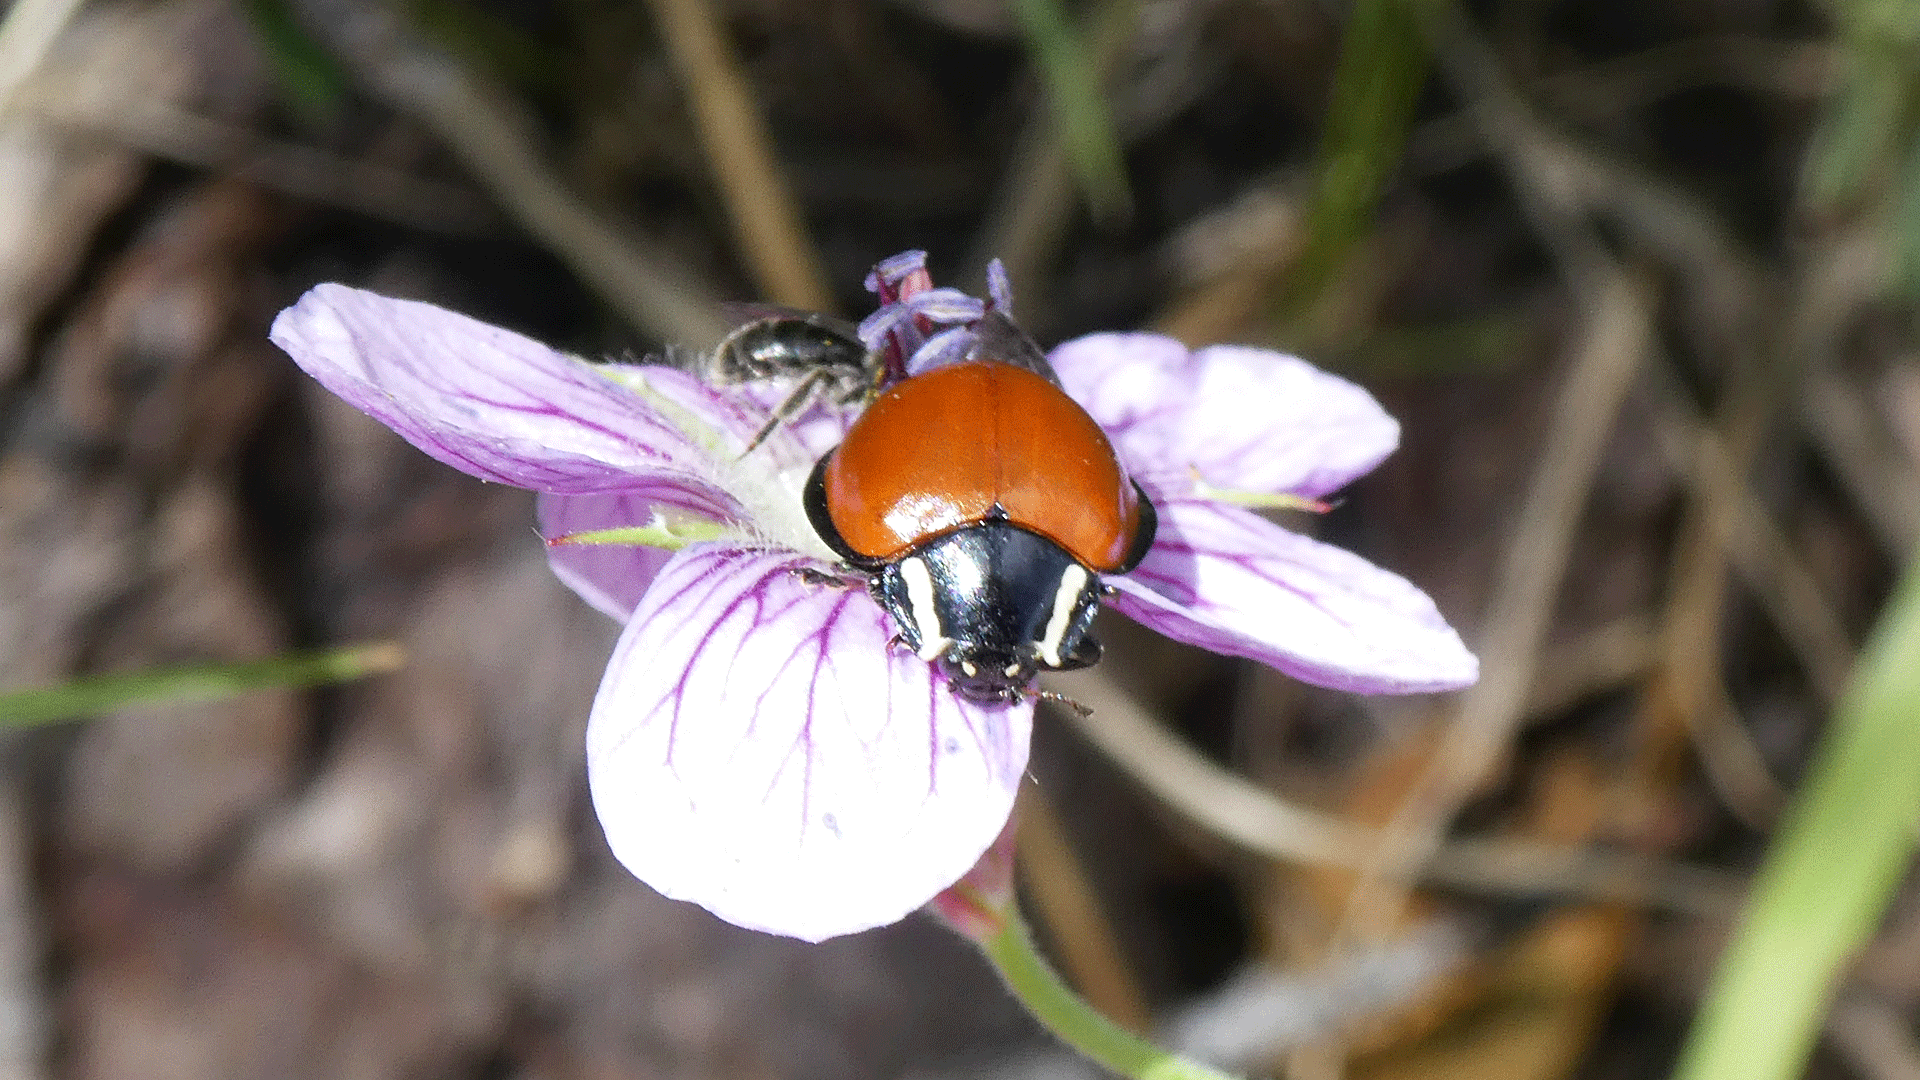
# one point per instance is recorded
(1072, 583)
(968, 667)
(920, 606)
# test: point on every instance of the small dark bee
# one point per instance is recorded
(825, 352)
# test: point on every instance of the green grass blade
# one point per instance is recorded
(1861, 122)
(195, 682)
(1832, 869)
(1383, 65)
(475, 34)
(312, 78)
(1872, 113)
(1906, 221)
(1075, 89)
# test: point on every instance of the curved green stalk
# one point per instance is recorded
(1034, 982)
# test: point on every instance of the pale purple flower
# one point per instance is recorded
(756, 747)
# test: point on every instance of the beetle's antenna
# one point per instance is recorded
(1064, 701)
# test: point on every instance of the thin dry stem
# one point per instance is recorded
(1764, 367)
(1884, 486)
(1034, 207)
(1070, 909)
(1600, 659)
(1763, 555)
(1247, 815)
(303, 172)
(1874, 1038)
(767, 226)
(496, 140)
(25, 1019)
(1733, 763)
(1613, 346)
(26, 36)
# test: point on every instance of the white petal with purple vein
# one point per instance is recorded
(1247, 419)
(724, 419)
(757, 748)
(1233, 582)
(485, 400)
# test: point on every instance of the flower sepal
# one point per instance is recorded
(663, 532)
(980, 905)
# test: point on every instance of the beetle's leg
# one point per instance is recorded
(814, 576)
(788, 408)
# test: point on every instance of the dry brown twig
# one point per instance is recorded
(496, 140)
(1885, 487)
(1730, 322)
(304, 172)
(1070, 910)
(1686, 690)
(1874, 1037)
(25, 1018)
(1787, 590)
(1561, 184)
(1797, 70)
(1613, 345)
(1033, 208)
(1731, 760)
(1603, 658)
(771, 238)
(1763, 555)
(26, 36)
(1248, 816)
(1783, 345)
(1623, 86)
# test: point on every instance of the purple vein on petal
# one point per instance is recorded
(710, 578)
(1272, 569)
(802, 744)
(546, 409)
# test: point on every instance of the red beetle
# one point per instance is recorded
(984, 503)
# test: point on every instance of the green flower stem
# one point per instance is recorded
(196, 682)
(1035, 984)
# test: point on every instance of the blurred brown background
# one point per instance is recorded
(1631, 281)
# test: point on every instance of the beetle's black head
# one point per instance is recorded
(991, 605)
(986, 680)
